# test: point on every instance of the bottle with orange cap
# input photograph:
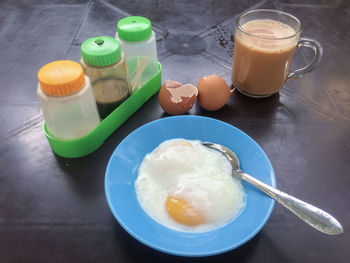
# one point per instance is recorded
(67, 100)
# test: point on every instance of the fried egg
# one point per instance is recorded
(188, 187)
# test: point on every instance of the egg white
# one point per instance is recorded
(197, 174)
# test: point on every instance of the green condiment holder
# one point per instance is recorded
(91, 142)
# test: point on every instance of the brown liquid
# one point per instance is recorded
(109, 94)
(260, 65)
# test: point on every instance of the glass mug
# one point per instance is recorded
(265, 41)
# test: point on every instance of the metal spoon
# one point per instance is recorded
(310, 214)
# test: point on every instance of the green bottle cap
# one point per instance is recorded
(100, 51)
(134, 28)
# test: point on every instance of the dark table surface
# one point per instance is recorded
(54, 209)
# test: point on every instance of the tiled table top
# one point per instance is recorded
(53, 209)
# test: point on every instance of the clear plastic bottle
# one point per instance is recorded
(105, 65)
(67, 100)
(138, 42)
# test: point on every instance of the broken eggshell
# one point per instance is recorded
(175, 98)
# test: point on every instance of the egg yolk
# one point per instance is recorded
(182, 212)
(184, 143)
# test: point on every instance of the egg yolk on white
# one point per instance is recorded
(182, 212)
(188, 187)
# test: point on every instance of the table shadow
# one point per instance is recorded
(134, 251)
(85, 175)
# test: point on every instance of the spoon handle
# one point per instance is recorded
(310, 214)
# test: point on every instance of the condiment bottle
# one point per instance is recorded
(67, 100)
(138, 42)
(105, 65)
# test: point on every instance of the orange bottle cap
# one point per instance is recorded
(62, 77)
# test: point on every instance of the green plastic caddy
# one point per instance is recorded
(91, 142)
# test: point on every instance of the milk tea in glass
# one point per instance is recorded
(265, 42)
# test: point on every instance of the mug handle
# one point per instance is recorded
(318, 52)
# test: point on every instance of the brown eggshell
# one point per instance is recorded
(175, 98)
(213, 92)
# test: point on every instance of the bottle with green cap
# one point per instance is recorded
(138, 43)
(104, 63)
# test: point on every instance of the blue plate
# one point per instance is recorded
(122, 172)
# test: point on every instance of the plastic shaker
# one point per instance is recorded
(105, 65)
(138, 42)
(67, 100)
